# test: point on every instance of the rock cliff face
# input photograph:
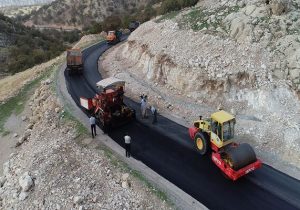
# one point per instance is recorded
(8, 3)
(243, 55)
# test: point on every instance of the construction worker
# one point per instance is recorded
(154, 113)
(93, 125)
(127, 139)
(144, 106)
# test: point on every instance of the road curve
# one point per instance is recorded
(166, 149)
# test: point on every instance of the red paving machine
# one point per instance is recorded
(216, 134)
(108, 106)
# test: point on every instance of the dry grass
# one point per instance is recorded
(11, 85)
(89, 40)
(21, 10)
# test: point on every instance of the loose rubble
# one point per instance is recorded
(51, 171)
(25, 182)
(240, 54)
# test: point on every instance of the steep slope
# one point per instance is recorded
(242, 55)
(81, 13)
(9, 3)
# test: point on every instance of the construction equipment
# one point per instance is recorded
(113, 37)
(133, 25)
(74, 61)
(216, 135)
(108, 106)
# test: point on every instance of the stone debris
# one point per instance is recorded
(25, 182)
(125, 177)
(20, 141)
(125, 184)
(78, 199)
(23, 196)
(2, 181)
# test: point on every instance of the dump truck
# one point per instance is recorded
(114, 37)
(215, 135)
(108, 106)
(133, 25)
(74, 61)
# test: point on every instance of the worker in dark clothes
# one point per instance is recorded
(154, 113)
(93, 125)
(127, 139)
(144, 106)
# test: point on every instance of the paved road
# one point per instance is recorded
(166, 149)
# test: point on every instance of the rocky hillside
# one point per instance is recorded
(82, 13)
(242, 55)
(9, 3)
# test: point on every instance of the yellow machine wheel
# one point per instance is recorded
(201, 141)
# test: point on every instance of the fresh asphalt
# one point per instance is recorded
(167, 149)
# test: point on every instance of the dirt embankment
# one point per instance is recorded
(189, 71)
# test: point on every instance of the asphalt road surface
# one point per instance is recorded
(167, 149)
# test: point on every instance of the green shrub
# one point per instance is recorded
(141, 14)
(174, 5)
(29, 47)
(111, 23)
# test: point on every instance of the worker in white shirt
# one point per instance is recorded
(127, 139)
(154, 113)
(144, 106)
(93, 125)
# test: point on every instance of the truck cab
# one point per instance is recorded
(133, 25)
(113, 37)
(74, 61)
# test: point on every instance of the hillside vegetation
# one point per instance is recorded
(90, 13)
(18, 11)
(22, 47)
(152, 9)
(82, 13)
